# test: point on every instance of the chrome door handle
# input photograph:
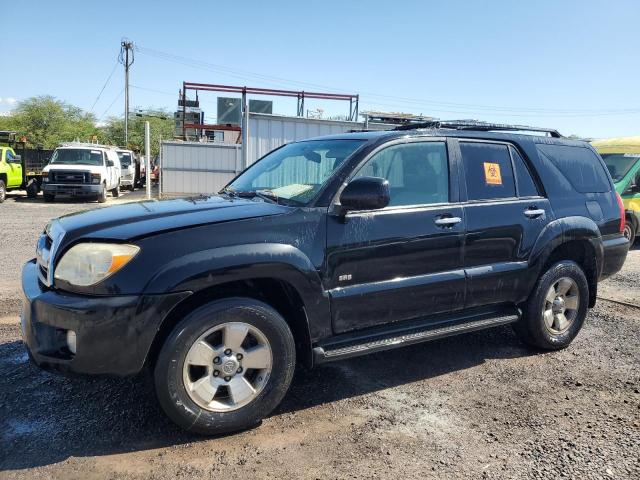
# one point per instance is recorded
(447, 221)
(534, 212)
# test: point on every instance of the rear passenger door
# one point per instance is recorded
(505, 213)
(405, 260)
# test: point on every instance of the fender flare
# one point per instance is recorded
(207, 268)
(564, 230)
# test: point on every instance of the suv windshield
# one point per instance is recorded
(77, 156)
(125, 158)
(295, 172)
(619, 164)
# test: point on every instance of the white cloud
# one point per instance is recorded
(8, 101)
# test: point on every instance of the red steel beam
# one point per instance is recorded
(205, 126)
(267, 91)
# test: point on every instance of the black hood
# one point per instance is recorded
(140, 219)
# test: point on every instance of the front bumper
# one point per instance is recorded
(82, 190)
(114, 333)
(614, 254)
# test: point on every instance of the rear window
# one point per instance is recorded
(579, 165)
(488, 171)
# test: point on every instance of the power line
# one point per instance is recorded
(111, 104)
(428, 103)
(103, 87)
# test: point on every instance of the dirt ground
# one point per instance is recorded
(474, 406)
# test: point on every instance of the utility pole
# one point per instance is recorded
(126, 58)
(147, 160)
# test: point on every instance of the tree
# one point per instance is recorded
(161, 125)
(46, 122)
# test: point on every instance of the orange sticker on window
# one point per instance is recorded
(492, 173)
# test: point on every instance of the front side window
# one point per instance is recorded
(9, 156)
(487, 170)
(619, 164)
(295, 172)
(77, 156)
(418, 173)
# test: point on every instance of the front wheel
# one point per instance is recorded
(32, 189)
(225, 367)
(102, 196)
(48, 197)
(556, 310)
(116, 192)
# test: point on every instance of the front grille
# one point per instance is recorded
(70, 176)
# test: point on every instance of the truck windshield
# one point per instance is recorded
(619, 164)
(125, 159)
(77, 156)
(295, 172)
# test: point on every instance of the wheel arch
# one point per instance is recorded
(576, 239)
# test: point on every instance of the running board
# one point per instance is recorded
(376, 340)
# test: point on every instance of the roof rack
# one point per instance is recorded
(85, 145)
(478, 126)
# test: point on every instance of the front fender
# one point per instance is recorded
(216, 266)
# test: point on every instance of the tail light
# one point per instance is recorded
(622, 215)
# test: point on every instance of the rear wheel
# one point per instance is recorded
(225, 366)
(3, 191)
(630, 231)
(32, 189)
(555, 311)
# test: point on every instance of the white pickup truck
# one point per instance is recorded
(82, 170)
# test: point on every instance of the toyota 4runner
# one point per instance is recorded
(322, 250)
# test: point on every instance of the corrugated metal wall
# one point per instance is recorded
(267, 132)
(194, 168)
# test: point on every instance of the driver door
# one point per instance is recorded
(403, 261)
(14, 170)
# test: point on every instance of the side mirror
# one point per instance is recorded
(110, 163)
(17, 159)
(365, 193)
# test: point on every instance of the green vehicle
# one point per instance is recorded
(14, 173)
(622, 157)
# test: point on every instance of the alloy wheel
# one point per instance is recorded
(227, 367)
(561, 305)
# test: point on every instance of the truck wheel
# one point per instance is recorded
(102, 197)
(32, 189)
(555, 311)
(630, 231)
(225, 366)
(48, 197)
(116, 192)
(3, 191)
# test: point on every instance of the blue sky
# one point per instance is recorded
(572, 65)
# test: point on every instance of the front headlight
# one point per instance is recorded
(45, 177)
(95, 178)
(86, 264)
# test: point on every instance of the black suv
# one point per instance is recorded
(325, 249)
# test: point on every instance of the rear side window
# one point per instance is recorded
(579, 165)
(526, 185)
(487, 170)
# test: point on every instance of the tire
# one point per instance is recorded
(102, 197)
(541, 325)
(3, 191)
(48, 197)
(630, 231)
(175, 368)
(32, 189)
(116, 192)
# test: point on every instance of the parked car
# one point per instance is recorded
(130, 169)
(622, 157)
(82, 170)
(323, 250)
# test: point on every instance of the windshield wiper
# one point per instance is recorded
(264, 194)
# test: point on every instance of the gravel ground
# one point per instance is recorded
(474, 406)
